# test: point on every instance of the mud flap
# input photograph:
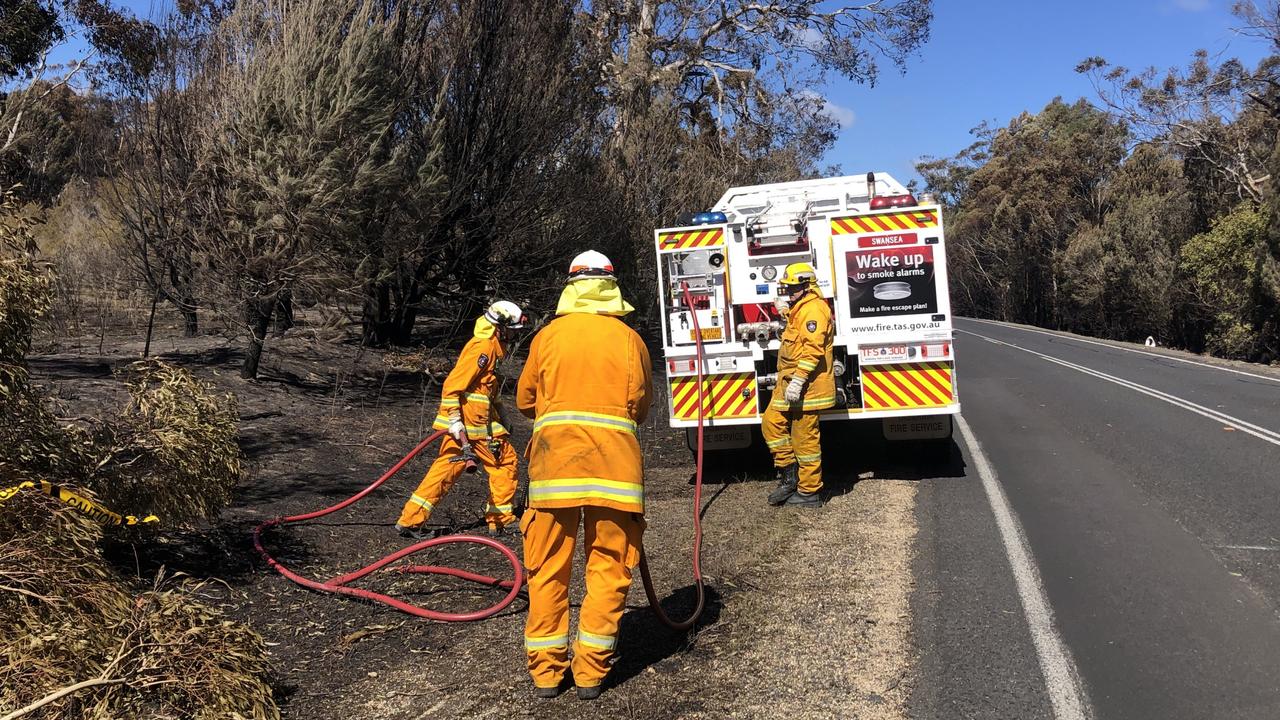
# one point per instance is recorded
(925, 427)
(732, 437)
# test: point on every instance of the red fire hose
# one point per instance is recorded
(339, 584)
(697, 504)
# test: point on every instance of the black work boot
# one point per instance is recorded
(803, 499)
(788, 479)
(590, 693)
(548, 692)
(511, 528)
(416, 533)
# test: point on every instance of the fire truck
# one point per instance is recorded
(881, 262)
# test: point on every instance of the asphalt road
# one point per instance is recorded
(1147, 489)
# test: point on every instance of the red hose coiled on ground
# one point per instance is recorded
(649, 592)
(338, 585)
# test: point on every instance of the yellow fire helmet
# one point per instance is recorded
(801, 273)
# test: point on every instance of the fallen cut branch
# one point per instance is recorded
(54, 697)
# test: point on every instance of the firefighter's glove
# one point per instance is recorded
(782, 305)
(457, 429)
(794, 390)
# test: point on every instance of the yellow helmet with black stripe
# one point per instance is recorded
(797, 275)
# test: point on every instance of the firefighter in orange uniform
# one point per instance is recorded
(474, 434)
(586, 384)
(806, 385)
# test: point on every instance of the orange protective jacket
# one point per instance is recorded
(806, 353)
(587, 386)
(472, 385)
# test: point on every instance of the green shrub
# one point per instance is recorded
(1224, 272)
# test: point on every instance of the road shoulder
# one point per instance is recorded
(971, 635)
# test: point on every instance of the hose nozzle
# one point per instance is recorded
(470, 465)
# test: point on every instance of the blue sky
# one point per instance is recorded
(992, 59)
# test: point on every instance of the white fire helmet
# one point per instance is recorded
(506, 314)
(591, 264)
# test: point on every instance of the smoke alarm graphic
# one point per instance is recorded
(891, 291)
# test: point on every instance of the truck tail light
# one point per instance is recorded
(682, 365)
(892, 201)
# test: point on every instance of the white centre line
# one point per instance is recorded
(1062, 679)
(1163, 356)
(1259, 432)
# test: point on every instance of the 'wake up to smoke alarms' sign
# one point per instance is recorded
(891, 281)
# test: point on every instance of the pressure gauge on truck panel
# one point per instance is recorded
(769, 272)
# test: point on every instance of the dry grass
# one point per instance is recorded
(827, 635)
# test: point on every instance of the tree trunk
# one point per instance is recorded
(405, 317)
(283, 312)
(151, 324)
(190, 318)
(375, 317)
(405, 312)
(258, 312)
(388, 317)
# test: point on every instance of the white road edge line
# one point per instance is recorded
(1261, 433)
(1062, 679)
(1067, 336)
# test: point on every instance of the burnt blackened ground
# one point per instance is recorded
(325, 419)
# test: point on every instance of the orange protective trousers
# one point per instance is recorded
(611, 541)
(792, 436)
(501, 468)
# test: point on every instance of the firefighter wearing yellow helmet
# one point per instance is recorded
(806, 385)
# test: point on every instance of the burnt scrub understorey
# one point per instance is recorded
(325, 419)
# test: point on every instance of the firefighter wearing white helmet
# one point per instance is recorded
(806, 385)
(587, 387)
(591, 264)
(475, 436)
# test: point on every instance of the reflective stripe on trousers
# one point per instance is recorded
(548, 642)
(602, 642)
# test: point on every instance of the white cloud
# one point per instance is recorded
(839, 114)
(812, 39)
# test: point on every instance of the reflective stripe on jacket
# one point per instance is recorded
(470, 387)
(806, 353)
(587, 386)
